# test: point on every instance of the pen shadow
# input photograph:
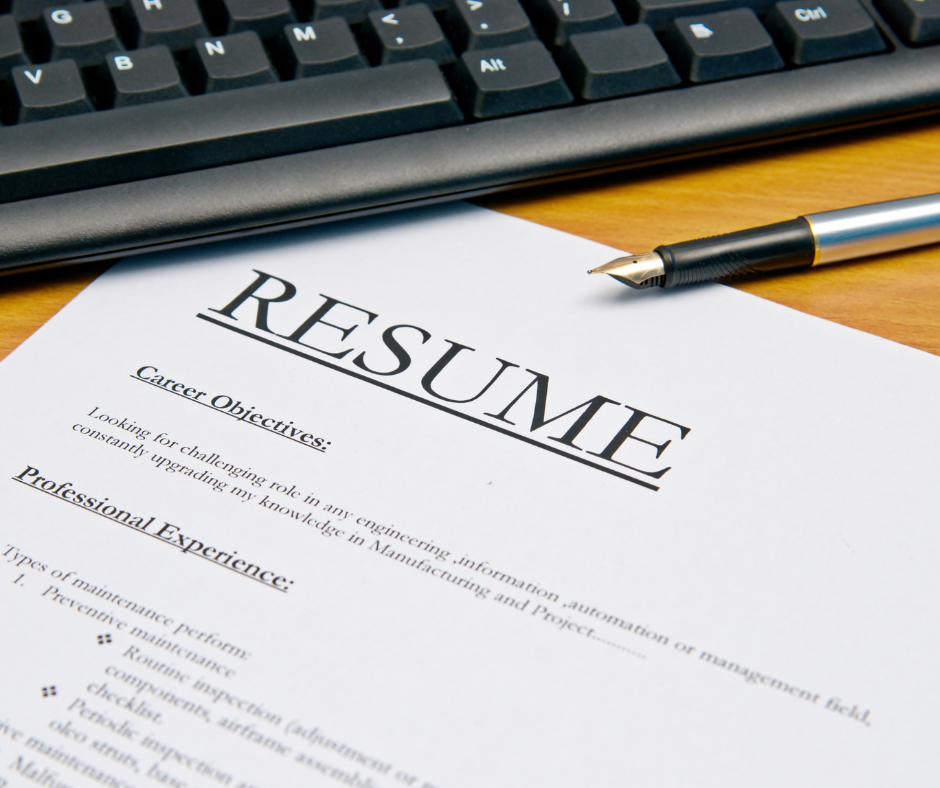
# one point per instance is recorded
(627, 295)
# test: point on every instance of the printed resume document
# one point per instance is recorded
(413, 501)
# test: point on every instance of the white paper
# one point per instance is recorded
(765, 612)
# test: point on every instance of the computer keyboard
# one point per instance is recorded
(130, 125)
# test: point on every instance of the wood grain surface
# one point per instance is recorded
(895, 296)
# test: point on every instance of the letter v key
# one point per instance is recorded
(34, 78)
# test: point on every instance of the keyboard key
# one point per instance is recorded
(618, 62)
(814, 34)
(11, 46)
(323, 47)
(83, 33)
(172, 23)
(720, 46)
(915, 21)
(406, 33)
(52, 90)
(478, 24)
(265, 17)
(353, 11)
(434, 5)
(659, 13)
(31, 10)
(235, 61)
(505, 80)
(141, 76)
(222, 128)
(558, 19)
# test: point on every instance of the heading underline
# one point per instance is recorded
(436, 405)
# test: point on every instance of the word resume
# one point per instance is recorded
(413, 501)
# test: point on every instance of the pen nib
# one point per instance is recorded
(639, 271)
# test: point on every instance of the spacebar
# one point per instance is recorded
(127, 144)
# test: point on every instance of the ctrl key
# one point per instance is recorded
(509, 79)
(51, 90)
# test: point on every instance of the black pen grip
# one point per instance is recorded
(773, 247)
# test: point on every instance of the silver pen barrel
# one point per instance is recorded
(874, 229)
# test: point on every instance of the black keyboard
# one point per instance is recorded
(130, 125)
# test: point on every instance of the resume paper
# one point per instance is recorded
(413, 501)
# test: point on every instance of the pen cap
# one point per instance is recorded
(773, 247)
(875, 229)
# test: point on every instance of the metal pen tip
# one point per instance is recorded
(639, 271)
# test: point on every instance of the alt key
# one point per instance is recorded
(510, 79)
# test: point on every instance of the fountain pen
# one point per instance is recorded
(814, 239)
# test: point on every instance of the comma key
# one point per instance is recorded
(52, 90)
(835, 29)
(407, 33)
(505, 80)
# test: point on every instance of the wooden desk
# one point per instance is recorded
(895, 296)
